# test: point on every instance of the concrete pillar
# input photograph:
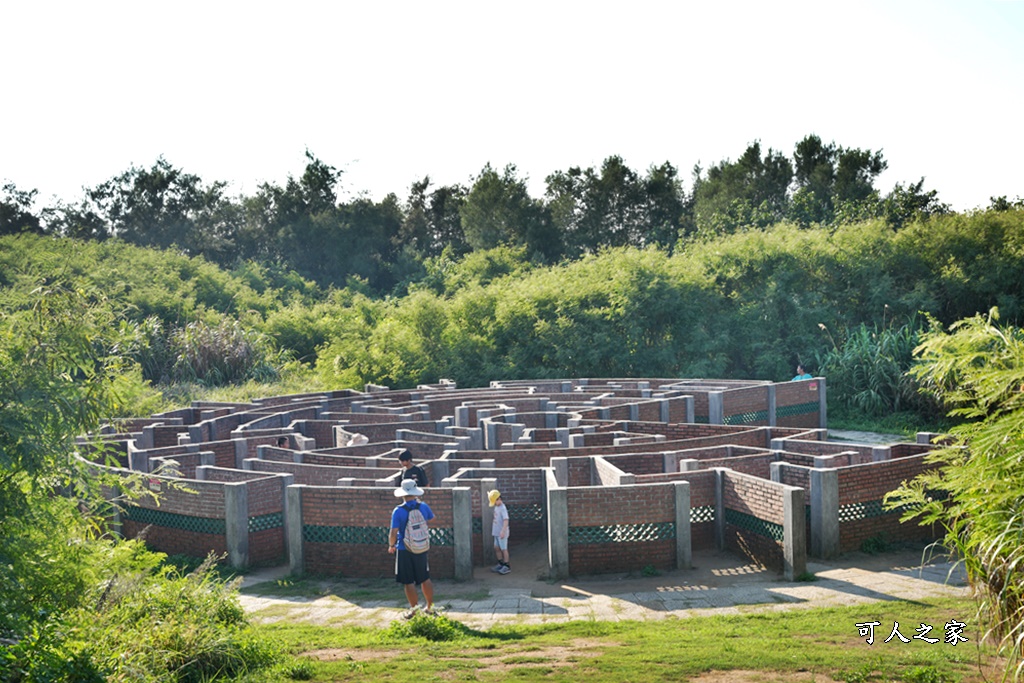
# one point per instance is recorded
(560, 471)
(462, 523)
(720, 508)
(147, 438)
(241, 451)
(138, 459)
(486, 514)
(691, 409)
(293, 529)
(822, 403)
(558, 532)
(665, 413)
(236, 518)
(634, 412)
(689, 464)
(880, 453)
(794, 533)
(824, 514)
(576, 440)
(562, 434)
(771, 405)
(440, 469)
(775, 471)
(716, 407)
(684, 550)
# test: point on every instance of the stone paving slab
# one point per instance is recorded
(720, 584)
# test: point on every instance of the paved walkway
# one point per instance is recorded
(719, 583)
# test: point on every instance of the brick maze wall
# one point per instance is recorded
(861, 515)
(359, 519)
(745, 406)
(606, 522)
(753, 510)
(795, 404)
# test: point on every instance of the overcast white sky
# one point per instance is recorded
(393, 91)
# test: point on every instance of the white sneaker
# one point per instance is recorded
(497, 568)
(505, 569)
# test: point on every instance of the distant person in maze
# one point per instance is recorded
(801, 373)
(412, 471)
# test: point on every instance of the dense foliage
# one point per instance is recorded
(977, 370)
(76, 605)
(382, 246)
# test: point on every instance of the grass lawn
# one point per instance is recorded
(798, 644)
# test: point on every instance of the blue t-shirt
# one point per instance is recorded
(400, 515)
(803, 377)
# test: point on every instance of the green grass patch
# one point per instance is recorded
(825, 642)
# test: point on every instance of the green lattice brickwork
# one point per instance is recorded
(274, 520)
(747, 418)
(525, 513)
(702, 513)
(622, 533)
(172, 520)
(366, 535)
(852, 512)
(798, 409)
(755, 525)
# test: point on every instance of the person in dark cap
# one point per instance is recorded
(412, 471)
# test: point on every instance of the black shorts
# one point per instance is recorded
(411, 567)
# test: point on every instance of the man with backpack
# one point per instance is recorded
(409, 541)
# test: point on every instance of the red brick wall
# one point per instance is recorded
(736, 402)
(366, 507)
(867, 484)
(625, 505)
(797, 393)
(757, 498)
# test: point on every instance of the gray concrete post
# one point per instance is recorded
(293, 529)
(462, 523)
(684, 550)
(558, 531)
(794, 533)
(486, 514)
(716, 407)
(880, 453)
(664, 412)
(822, 403)
(560, 471)
(689, 464)
(771, 405)
(720, 508)
(775, 471)
(691, 409)
(236, 527)
(241, 452)
(824, 513)
(440, 469)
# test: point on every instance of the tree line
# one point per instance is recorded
(381, 246)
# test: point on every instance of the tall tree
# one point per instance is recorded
(614, 206)
(499, 210)
(432, 221)
(751, 191)
(16, 212)
(831, 179)
(162, 207)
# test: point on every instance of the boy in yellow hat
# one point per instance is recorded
(499, 529)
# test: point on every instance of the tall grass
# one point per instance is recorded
(977, 370)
